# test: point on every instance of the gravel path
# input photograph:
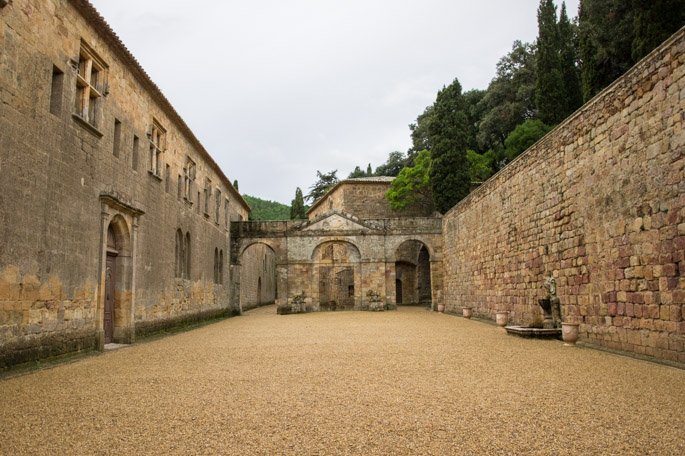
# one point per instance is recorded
(406, 382)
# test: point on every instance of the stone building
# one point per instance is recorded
(353, 253)
(114, 219)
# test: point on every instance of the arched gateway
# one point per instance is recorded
(339, 261)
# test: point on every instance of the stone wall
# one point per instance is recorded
(258, 276)
(364, 198)
(68, 176)
(598, 203)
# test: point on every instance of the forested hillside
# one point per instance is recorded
(267, 210)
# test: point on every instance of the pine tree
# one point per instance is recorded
(570, 74)
(297, 211)
(549, 93)
(448, 132)
(235, 184)
(369, 171)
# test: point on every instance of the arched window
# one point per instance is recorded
(187, 256)
(178, 257)
(216, 265)
(221, 267)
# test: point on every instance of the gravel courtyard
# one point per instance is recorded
(407, 382)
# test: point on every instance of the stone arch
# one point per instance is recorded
(258, 284)
(118, 282)
(336, 278)
(250, 243)
(413, 273)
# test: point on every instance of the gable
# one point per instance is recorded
(335, 222)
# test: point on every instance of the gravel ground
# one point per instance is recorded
(406, 382)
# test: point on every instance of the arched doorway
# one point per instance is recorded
(336, 272)
(118, 299)
(413, 274)
(258, 286)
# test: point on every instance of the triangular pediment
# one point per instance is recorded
(336, 221)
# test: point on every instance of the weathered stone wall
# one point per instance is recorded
(258, 276)
(66, 179)
(364, 198)
(370, 252)
(598, 203)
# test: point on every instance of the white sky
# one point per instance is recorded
(276, 90)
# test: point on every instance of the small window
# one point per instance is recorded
(167, 179)
(91, 83)
(198, 202)
(134, 154)
(217, 203)
(157, 148)
(187, 256)
(188, 179)
(117, 137)
(56, 91)
(180, 187)
(208, 195)
(221, 267)
(216, 265)
(226, 212)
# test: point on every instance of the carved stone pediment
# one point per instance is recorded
(336, 222)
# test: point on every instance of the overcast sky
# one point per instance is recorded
(278, 89)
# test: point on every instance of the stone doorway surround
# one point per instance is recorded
(122, 218)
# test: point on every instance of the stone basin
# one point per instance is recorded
(536, 333)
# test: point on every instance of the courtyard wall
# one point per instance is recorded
(599, 204)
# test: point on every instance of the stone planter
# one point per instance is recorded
(466, 312)
(441, 307)
(569, 333)
(501, 318)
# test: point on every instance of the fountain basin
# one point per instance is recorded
(534, 333)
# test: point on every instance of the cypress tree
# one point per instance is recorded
(369, 171)
(549, 93)
(605, 36)
(448, 132)
(235, 184)
(297, 211)
(654, 21)
(568, 57)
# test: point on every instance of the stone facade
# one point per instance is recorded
(365, 198)
(338, 261)
(114, 218)
(599, 203)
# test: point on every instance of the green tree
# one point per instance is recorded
(510, 98)
(392, 167)
(474, 114)
(235, 184)
(569, 57)
(419, 134)
(411, 188)
(297, 211)
(356, 173)
(324, 183)
(369, 171)
(654, 21)
(605, 40)
(524, 136)
(447, 129)
(480, 165)
(549, 90)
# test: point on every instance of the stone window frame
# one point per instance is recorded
(157, 137)
(91, 85)
(189, 173)
(227, 218)
(217, 204)
(208, 195)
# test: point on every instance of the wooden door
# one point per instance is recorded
(109, 298)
